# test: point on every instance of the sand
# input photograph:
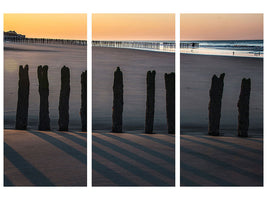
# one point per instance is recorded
(134, 64)
(55, 56)
(196, 73)
(133, 159)
(221, 161)
(45, 158)
(130, 158)
(226, 160)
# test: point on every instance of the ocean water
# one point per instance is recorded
(244, 48)
(160, 46)
(134, 64)
(55, 56)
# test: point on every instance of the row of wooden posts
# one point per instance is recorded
(47, 41)
(44, 120)
(117, 109)
(216, 93)
(63, 122)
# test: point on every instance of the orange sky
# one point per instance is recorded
(221, 26)
(60, 26)
(133, 26)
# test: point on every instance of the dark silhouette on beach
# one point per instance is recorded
(117, 101)
(215, 104)
(243, 108)
(23, 98)
(63, 107)
(44, 120)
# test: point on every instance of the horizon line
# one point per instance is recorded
(223, 40)
(133, 40)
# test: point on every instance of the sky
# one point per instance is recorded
(56, 26)
(133, 26)
(221, 26)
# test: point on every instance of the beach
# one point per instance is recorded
(45, 158)
(133, 159)
(134, 64)
(225, 160)
(55, 56)
(220, 161)
(196, 72)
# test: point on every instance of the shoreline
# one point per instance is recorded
(222, 55)
(136, 49)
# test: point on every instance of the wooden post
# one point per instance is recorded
(44, 120)
(117, 101)
(216, 92)
(150, 101)
(63, 107)
(23, 98)
(243, 108)
(170, 101)
(83, 111)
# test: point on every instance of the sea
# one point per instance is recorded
(55, 56)
(242, 48)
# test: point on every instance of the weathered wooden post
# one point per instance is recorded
(243, 108)
(117, 101)
(216, 92)
(150, 101)
(44, 120)
(63, 107)
(23, 98)
(83, 111)
(170, 101)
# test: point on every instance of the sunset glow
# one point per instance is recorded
(221, 26)
(56, 26)
(133, 27)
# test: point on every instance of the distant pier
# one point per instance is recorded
(46, 41)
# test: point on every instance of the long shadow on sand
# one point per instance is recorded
(138, 172)
(29, 171)
(61, 145)
(230, 152)
(234, 145)
(222, 164)
(136, 157)
(73, 138)
(7, 181)
(143, 148)
(111, 175)
(202, 174)
(83, 134)
(163, 142)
